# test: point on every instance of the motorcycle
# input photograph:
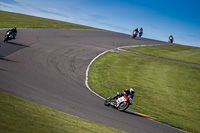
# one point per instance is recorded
(171, 39)
(134, 34)
(140, 33)
(9, 36)
(121, 103)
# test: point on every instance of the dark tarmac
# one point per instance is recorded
(48, 67)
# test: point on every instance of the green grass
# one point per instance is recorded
(9, 20)
(21, 116)
(175, 52)
(166, 90)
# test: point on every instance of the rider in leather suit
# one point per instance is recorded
(14, 31)
(126, 92)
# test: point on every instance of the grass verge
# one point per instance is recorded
(175, 52)
(9, 20)
(21, 116)
(166, 90)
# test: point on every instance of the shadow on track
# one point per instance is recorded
(8, 48)
(18, 44)
(3, 70)
(129, 112)
(132, 113)
(2, 58)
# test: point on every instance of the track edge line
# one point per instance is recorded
(130, 110)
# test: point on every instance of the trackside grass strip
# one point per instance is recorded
(166, 90)
(175, 52)
(9, 20)
(21, 116)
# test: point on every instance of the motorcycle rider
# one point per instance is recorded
(135, 33)
(126, 92)
(141, 29)
(171, 38)
(136, 30)
(140, 32)
(13, 31)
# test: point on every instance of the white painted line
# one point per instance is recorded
(130, 110)
(86, 81)
(87, 71)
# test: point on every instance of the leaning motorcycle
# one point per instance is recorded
(140, 33)
(134, 35)
(121, 103)
(171, 39)
(9, 35)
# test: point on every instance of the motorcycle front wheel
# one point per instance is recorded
(123, 106)
(107, 101)
(6, 39)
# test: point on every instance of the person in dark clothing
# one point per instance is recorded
(13, 31)
(136, 30)
(171, 39)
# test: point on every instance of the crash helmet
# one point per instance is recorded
(13, 29)
(132, 90)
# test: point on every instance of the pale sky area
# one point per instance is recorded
(158, 18)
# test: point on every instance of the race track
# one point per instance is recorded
(48, 66)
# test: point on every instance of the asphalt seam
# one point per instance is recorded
(130, 110)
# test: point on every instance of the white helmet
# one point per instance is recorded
(132, 90)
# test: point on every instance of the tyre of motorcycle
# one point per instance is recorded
(134, 36)
(140, 35)
(107, 101)
(6, 39)
(171, 41)
(123, 106)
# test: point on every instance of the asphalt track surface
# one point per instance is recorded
(48, 67)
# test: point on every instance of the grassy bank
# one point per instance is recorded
(9, 20)
(166, 90)
(21, 116)
(175, 52)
